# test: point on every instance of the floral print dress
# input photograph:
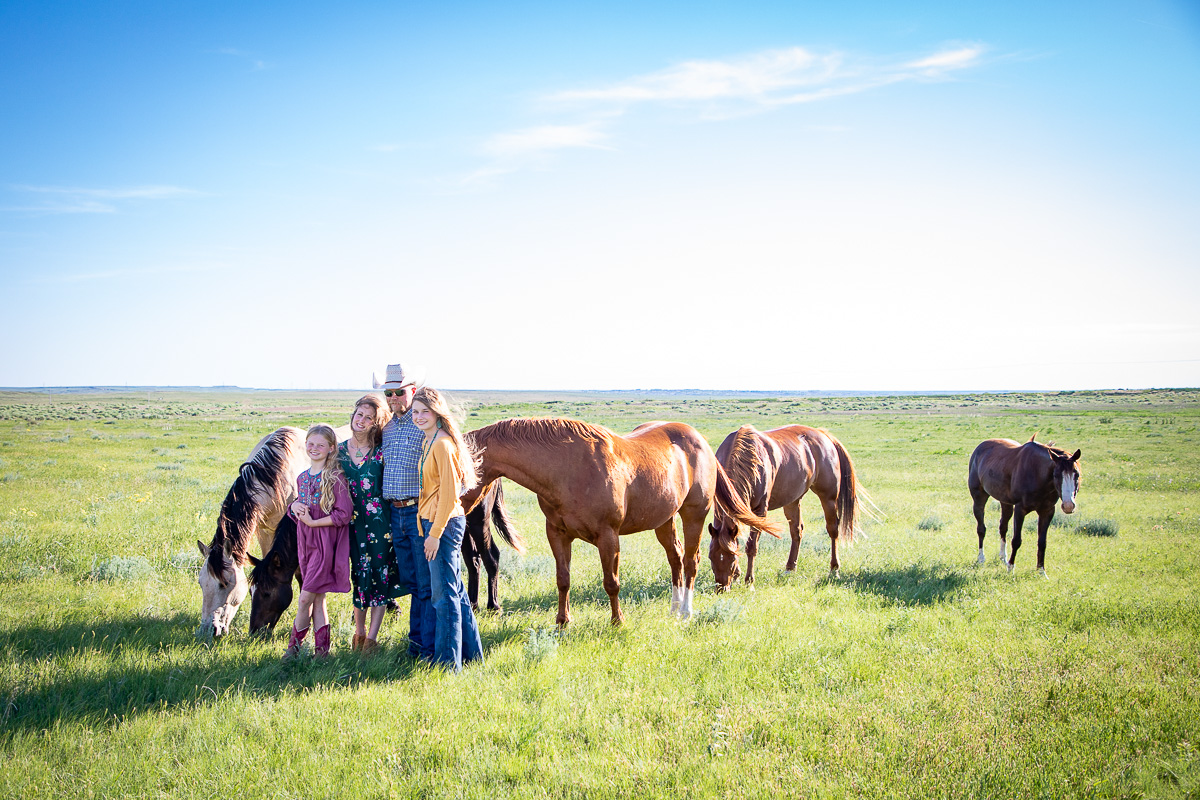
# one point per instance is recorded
(372, 560)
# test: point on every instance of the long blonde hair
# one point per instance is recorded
(466, 461)
(331, 474)
(383, 415)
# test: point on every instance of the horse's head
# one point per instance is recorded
(223, 587)
(1066, 478)
(270, 592)
(723, 551)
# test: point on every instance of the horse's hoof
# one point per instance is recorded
(835, 573)
(1010, 569)
(1042, 572)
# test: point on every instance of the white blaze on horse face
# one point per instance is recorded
(220, 605)
(1068, 493)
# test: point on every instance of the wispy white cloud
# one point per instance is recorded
(773, 78)
(546, 137)
(81, 200)
(716, 89)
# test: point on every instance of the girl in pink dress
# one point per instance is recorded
(322, 512)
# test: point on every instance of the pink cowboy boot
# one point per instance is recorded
(293, 648)
(321, 641)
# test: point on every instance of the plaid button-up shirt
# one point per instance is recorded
(402, 442)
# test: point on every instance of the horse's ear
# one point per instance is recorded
(1035, 433)
(1075, 457)
(276, 562)
(203, 548)
(253, 561)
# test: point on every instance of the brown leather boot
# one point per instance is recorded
(321, 641)
(369, 647)
(293, 648)
(357, 642)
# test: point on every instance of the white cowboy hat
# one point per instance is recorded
(397, 377)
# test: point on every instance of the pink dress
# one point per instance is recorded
(324, 552)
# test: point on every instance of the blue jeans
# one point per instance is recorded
(457, 640)
(414, 579)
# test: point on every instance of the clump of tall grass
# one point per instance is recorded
(1094, 526)
(513, 565)
(931, 522)
(540, 643)
(121, 569)
(722, 612)
(186, 560)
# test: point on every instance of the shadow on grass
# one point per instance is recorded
(917, 584)
(113, 671)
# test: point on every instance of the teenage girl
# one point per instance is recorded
(322, 512)
(448, 468)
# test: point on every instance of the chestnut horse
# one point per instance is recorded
(1023, 478)
(595, 485)
(775, 469)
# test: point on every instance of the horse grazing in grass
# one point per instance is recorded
(1023, 478)
(271, 577)
(775, 469)
(253, 507)
(597, 486)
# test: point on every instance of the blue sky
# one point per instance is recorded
(772, 196)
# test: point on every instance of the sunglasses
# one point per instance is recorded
(393, 392)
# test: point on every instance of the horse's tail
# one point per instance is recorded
(850, 494)
(847, 499)
(729, 501)
(504, 525)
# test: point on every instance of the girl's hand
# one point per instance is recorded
(304, 516)
(431, 548)
(298, 508)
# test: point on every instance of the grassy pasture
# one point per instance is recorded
(917, 674)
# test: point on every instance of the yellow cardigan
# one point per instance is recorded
(439, 486)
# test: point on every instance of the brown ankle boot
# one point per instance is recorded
(357, 642)
(293, 648)
(369, 646)
(321, 641)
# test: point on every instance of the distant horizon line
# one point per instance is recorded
(84, 388)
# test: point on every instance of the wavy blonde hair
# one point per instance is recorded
(331, 475)
(466, 460)
(383, 416)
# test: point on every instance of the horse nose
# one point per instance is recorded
(1068, 508)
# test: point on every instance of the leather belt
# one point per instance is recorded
(411, 501)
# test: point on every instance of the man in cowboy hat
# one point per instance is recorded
(402, 443)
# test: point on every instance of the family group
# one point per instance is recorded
(380, 515)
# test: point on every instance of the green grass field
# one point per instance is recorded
(916, 674)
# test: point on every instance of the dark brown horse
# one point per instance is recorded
(597, 486)
(271, 578)
(775, 469)
(1023, 478)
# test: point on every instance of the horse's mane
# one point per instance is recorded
(242, 508)
(1058, 451)
(744, 462)
(540, 431)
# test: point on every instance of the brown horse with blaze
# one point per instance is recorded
(1023, 478)
(595, 485)
(775, 469)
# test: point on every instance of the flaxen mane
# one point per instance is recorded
(264, 473)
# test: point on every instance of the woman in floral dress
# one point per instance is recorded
(372, 559)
